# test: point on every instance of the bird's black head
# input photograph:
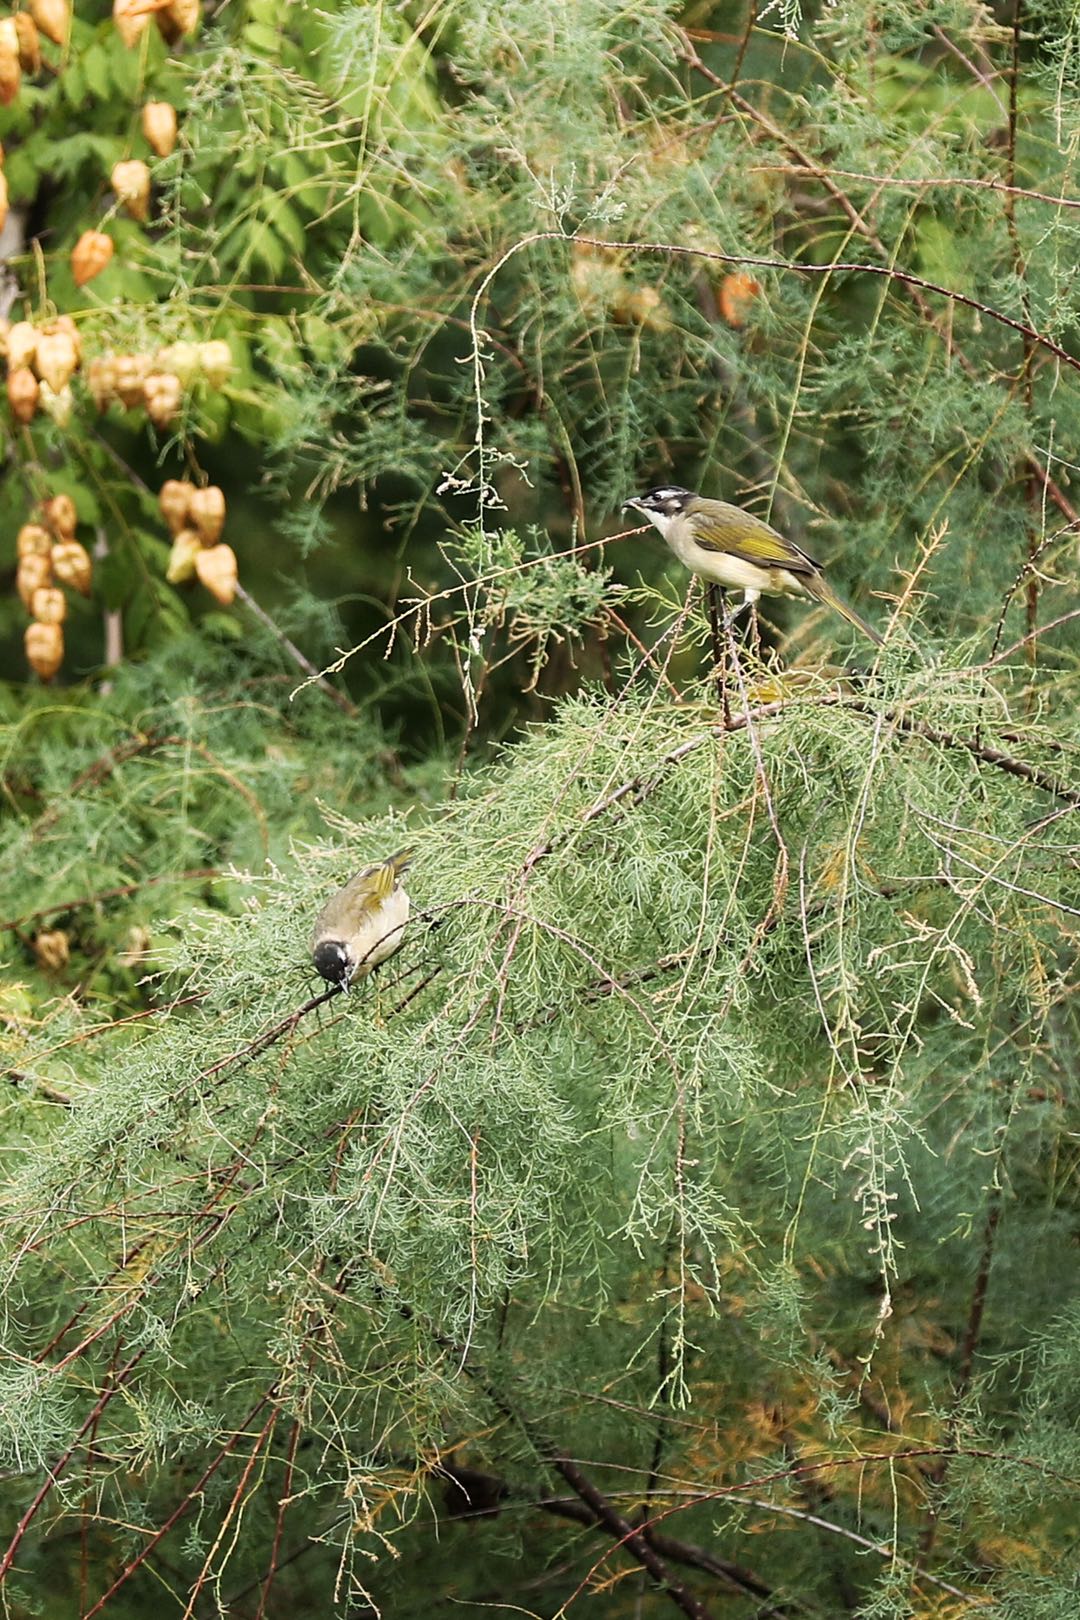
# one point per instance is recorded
(332, 961)
(667, 500)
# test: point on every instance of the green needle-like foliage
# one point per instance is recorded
(684, 1219)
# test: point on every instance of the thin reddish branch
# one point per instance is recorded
(889, 272)
(185, 1502)
(262, 1439)
(119, 893)
(914, 286)
(279, 1524)
(58, 1468)
(627, 1535)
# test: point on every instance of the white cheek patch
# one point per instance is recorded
(661, 520)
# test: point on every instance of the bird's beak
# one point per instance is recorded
(343, 986)
(632, 505)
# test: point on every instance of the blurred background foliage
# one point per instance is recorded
(689, 1223)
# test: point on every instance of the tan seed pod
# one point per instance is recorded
(137, 947)
(10, 71)
(182, 359)
(216, 568)
(642, 306)
(61, 517)
(101, 380)
(178, 18)
(174, 499)
(159, 126)
(22, 340)
(90, 255)
(132, 18)
(131, 182)
(72, 566)
(57, 403)
(10, 78)
(33, 541)
(22, 388)
(164, 396)
(56, 359)
(186, 547)
(215, 362)
(52, 946)
(49, 605)
(207, 509)
(132, 371)
(53, 17)
(64, 323)
(29, 44)
(31, 574)
(3, 199)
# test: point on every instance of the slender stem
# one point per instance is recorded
(59, 1468)
(345, 704)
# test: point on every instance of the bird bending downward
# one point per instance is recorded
(736, 551)
(363, 923)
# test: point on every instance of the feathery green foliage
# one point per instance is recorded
(685, 1218)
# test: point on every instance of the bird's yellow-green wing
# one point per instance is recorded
(376, 883)
(752, 539)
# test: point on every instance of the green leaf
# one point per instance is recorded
(266, 247)
(95, 67)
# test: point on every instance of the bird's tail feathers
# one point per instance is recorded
(820, 587)
(399, 864)
(377, 882)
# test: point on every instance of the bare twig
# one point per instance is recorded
(119, 893)
(187, 1501)
(302, 662)
(58, 1468)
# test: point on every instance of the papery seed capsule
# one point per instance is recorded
(182, 359)
(64, 323)
(72, 566)
(61, 517)
(178, 18)
(159, 126)
(216, 362)
(642, 306)
(185, 548)
(49, 605)
(53, 17)
(132, 18)
(52, 946)
(57, 403)
(31, 574)
(164, 396)
(131, 182)
(174, 500)
(10, 71)
(207, 509)
(132, 371)
(90, 255)
(22, 341)
(216, 568)
(56, 359)
(22, 388)
(101, 380)
(28, 42)
(33, 540)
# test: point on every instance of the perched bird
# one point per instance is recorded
(363, 923)
(734, 550)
